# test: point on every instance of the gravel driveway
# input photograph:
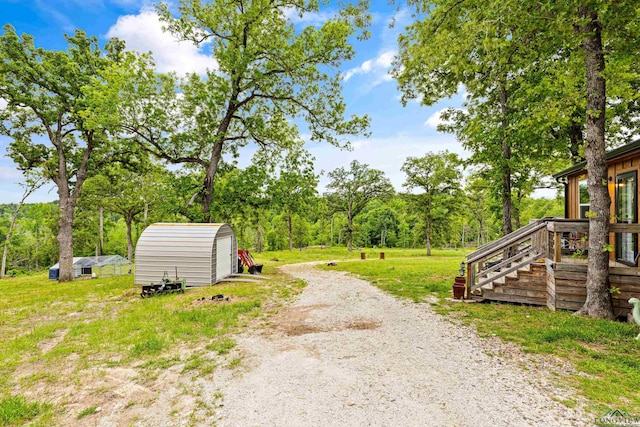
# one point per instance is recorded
(347, 354)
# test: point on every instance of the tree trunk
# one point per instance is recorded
(128, 221)
(65, 238)
(350, 233)
(101, 221)
(290, 229)
(209, 178)
(598, 303)
(507, 204)
(576, 139)
(259, 239)
(5, 249)
(331, 230)
(216, 154)
(428, 228)
(37, 248)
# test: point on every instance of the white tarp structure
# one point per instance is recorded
(203, 254)
(96, 266)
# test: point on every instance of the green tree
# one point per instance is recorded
(351, 190)
(549, 62)
(379, 223)
(295, 188)
(30, 185)
(125, 193)
(437, 177)
(46, 92)
(269, 73)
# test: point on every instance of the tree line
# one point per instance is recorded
(280, 211)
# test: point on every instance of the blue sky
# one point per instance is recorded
(396, 131)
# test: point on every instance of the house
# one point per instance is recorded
(545, 262)
(623, 165)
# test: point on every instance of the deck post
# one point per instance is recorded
(467, 289)
(557, 246)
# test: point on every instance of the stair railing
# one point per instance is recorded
(516, 250)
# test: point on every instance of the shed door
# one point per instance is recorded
(223, 257)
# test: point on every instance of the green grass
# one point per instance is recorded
(87, 411)
(277, 258)
(409, 276)
(52, 334)
(105, 323)
(15, 410)
(222, 345)
(604, 352)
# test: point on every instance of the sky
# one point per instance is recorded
(397, 132)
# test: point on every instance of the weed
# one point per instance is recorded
(222, 345)
(201, 364)
(151, 345)
(234, 363)
(87, 411)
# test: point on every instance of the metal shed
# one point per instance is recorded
(203, 254)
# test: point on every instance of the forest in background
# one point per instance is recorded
(260, 221)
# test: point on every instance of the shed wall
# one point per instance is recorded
(188, 247)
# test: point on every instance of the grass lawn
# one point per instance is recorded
(55, 335)
(52, 335)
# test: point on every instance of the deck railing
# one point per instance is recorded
(507, 254)
(552, 238)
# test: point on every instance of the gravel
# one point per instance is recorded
(347, 354)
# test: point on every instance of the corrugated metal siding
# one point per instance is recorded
(189, 247)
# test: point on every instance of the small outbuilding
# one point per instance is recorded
(203, 254)
(96, 266)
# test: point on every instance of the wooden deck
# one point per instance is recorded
(531, 266)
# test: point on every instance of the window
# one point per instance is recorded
(583, 198)
(626, 213)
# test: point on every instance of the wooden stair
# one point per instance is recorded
(528, 285)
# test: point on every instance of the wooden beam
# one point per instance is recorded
(557, 246)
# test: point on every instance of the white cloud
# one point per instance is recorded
(3, 103)
(385, 153)
(143, 32)
(435, 119)
(309, 18)
(379, 66)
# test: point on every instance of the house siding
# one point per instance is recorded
(629, 162)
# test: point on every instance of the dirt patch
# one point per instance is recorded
(362, 325)
(300, 320)
(47, 345)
